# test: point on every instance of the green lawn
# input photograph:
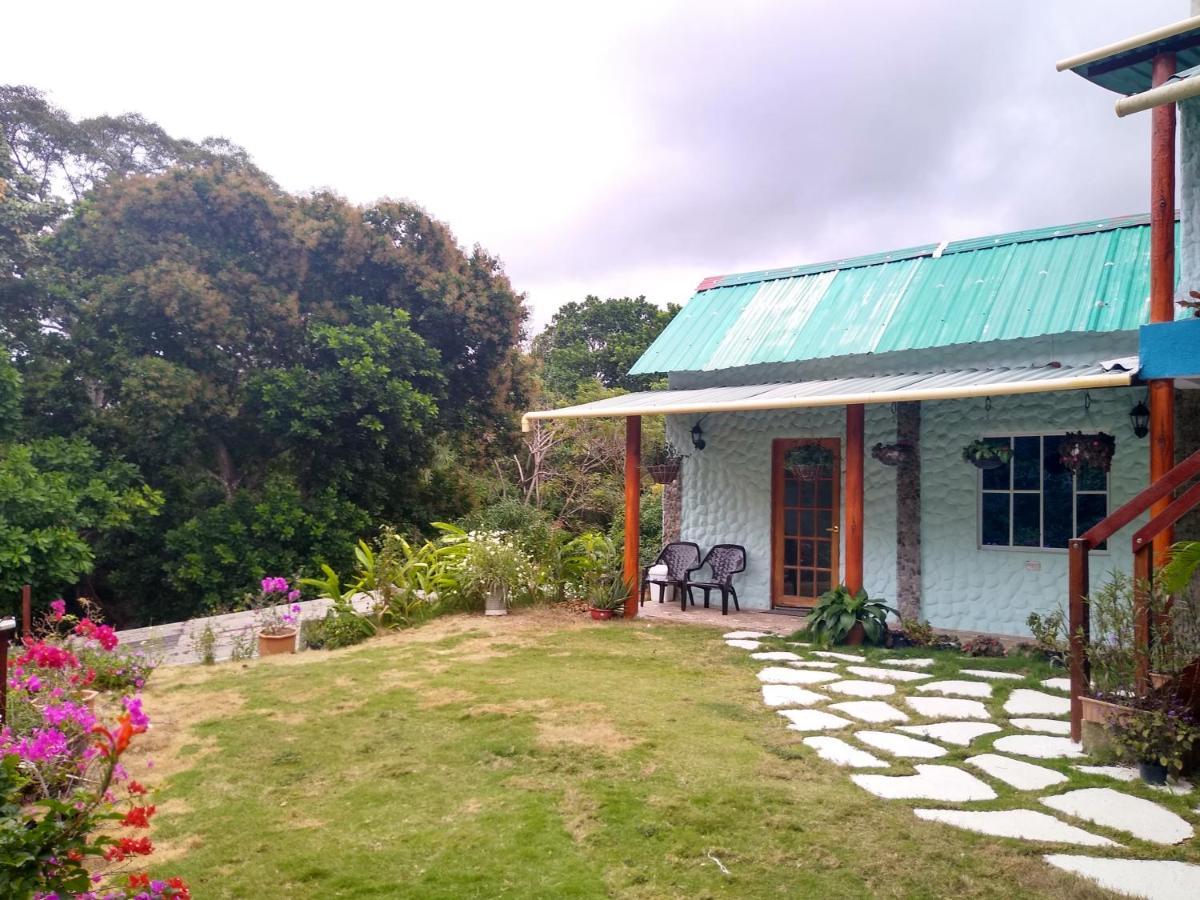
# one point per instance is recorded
(537, 755)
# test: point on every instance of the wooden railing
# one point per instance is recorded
(1143, 573)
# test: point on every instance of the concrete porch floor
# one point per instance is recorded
(745, 620)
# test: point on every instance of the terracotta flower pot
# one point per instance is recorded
(272, 644)
(1159, 680)
(601, 614)
(855, 636)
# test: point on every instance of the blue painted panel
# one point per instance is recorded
(1170, 349)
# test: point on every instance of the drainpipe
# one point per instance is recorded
(1162, 283)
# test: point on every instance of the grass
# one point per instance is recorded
(537, 755)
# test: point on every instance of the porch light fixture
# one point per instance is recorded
(698, 436)
(1139, 418)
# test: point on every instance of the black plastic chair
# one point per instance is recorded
(723, 561)
(679, 558)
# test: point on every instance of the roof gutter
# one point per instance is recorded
(1132, 43)
(1171, 92)
(1083, 382)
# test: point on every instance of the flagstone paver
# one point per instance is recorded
(989, 673)
(932, 782)
(1038, 746)
(844, 657)
(840, 753)
(813, 720)
(742, 635)
(899, 745)
(1152, 879)
(946, 708)
(776, 655)
(1123, 812)
(862, 688)
(887, 674)
(1015, 773)
(1016, 823)
(908, 663)
(1048, 726)
(1024, 702)
(813, 664)
(744, 644)
(1057, 684)
(870, 711)
(958, 688)
(779, 675)
(1177, 786)
(790, 695)
(960, 733)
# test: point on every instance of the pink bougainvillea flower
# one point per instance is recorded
(58, 609)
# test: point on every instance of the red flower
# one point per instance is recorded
(138, 817)
(180, 886)
(128, 847)
(136, 787)
(139, 881)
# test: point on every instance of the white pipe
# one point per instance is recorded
(1115, 379)
(1171, 92)
(1132, 43)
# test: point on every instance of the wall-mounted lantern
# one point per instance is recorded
(698, 436)
(1139, 419)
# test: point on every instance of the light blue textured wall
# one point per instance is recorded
(727, 490)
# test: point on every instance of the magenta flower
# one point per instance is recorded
(137, 718)
(58, 609)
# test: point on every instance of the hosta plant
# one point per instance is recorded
(839, 610)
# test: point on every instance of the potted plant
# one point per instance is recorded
(663, 463)
(892, 454)
(491, 568)
(606, 598)
(277, 615)
(842, 617)
(1158, 734)
(808, 462)
(1078, 451)
(984, 454)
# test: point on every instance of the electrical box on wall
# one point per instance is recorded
(1032, 565)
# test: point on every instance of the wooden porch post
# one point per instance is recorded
(1162, 284)
(855, 417)
(1079, 625)
(633, 517)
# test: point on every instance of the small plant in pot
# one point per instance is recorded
(892, 454)
(492, 566)
(1159, 735)
(984, 454)
(278, 616)
(845, 617)
(663, 463)
(809, 462)
(1078, 451)
(606, 597)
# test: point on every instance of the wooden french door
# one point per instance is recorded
(805, 526)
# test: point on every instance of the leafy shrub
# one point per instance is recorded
(838, 611)
(1049, 633)
(1161, 731)
(945, 642)
(919, 634)
(340, 627)
(984, 646)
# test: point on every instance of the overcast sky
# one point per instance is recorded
(633, 148)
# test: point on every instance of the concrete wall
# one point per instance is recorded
(727, 488)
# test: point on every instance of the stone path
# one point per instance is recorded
(975, 736)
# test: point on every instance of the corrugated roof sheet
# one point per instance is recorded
(840, 391)
(1090, 277)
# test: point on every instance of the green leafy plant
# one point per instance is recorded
(919, 634)
(341, 626)
(589, 561)
(206, 645)
(607, 593)
(1049, 633)
(982, 450)
(1177, 574)
(1162, 734)
(984, 646)
(839, 610)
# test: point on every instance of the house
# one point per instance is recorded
(1015, 339)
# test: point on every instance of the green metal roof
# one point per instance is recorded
(1089, 277)
(1128, 70)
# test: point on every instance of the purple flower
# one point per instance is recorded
(58, 608)
(293, 596)
(133, 706)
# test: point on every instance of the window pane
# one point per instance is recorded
(1090, 479)
(789, 553)
(1056, 498)
(825, 492)
(823, 584)
(1090, 509)
(824, 553)
(997, 478)
(1027, 525)
(789, 582)
(791, 491)
(789, 523)
(1027, 463)
(995, 520)
(806, 493)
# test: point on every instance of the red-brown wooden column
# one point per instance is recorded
(1162, 283)
(855, 417)
(633, 516)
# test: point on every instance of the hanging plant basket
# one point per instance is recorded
(983, 455)
(1086, 451)
(892, 454)
(809, 462)
(665, 473)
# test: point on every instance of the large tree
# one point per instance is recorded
(599, 340)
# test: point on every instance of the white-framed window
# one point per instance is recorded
(1034, 501)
